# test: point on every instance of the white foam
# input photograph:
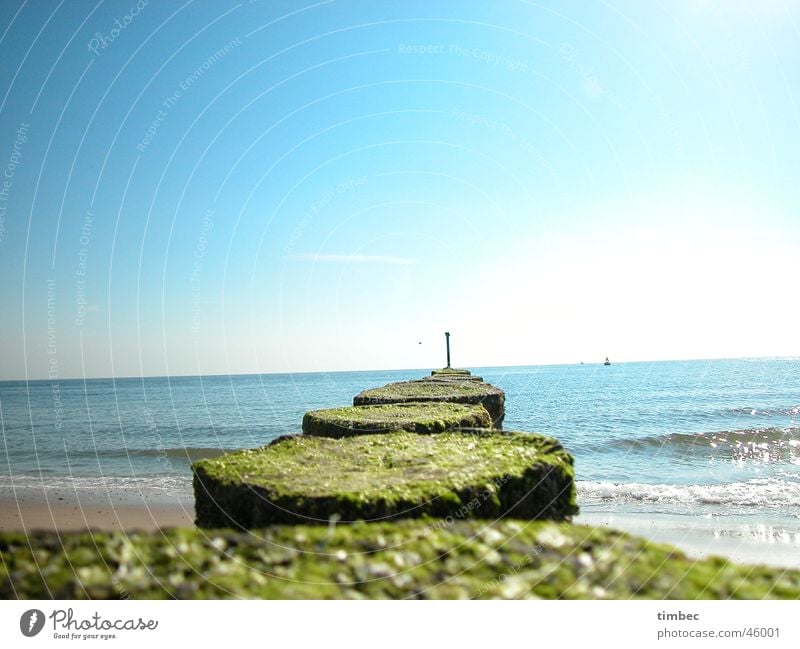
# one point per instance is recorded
(162, 483)
(770, 492)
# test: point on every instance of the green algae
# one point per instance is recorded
(473, 392)
(451, 371)
(419, 559)
(446, 378)
(479, 473)
(451, 374)
(421, 389)
(418, 417)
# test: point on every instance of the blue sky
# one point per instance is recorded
(216, 187)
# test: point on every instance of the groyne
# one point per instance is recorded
(414, 491)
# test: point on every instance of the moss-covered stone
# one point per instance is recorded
(483, 474)
(452, 374)
(473, 392)
(408, 559)
(443, 378)
(417, 417)
(451, 371)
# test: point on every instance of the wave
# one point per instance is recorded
(769, 412)
(167, 484)
(770, 492)
(762, 444)
(744, 436)
(191, 454)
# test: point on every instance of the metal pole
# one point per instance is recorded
(447, 338)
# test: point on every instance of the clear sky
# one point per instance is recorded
(212, 187)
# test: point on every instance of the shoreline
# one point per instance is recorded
(754, 540)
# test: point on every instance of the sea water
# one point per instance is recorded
(714, 437)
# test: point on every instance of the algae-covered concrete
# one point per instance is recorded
(444, 378)
(483, 474)
(452, 374)
(451, 391)
(418, 417)
(451, 371)
(419, 559)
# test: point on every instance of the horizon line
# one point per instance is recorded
(399, 369)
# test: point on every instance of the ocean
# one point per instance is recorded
(711, 438)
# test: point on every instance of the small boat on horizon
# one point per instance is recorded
(608, 362)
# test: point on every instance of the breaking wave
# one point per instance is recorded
(771, 493)
(180, 485)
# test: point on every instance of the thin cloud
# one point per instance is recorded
(352, 259)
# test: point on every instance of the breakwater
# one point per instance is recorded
(406, 450)
(414, 491)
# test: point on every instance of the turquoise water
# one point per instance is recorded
(722, 434)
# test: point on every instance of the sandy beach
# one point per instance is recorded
(30, 511)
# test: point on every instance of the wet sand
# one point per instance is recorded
(30, 510)
(752, 540)
(755, 540)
